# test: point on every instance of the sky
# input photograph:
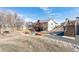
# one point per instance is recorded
(58, 14)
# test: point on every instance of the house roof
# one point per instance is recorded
(58, 29)
(45, 21)
(70, 22)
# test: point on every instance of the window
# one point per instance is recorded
(51, 23)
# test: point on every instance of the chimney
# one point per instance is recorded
(66, 22)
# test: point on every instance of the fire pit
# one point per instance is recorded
(39, 33)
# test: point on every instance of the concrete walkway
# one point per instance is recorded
(77, 39)
(62, 39)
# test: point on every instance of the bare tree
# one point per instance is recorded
(11, 20)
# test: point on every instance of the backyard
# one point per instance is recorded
(21, 42)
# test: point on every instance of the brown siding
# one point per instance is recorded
(69, 31)
(45, 26)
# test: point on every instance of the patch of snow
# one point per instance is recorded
(73, 38)
(75, 47)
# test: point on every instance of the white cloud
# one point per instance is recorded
(44, 8)
(75, 12)
(72, 14)
(60, 17)
(24, 17)
(49, 12)
(28, 19)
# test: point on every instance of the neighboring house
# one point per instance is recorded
(38, 26)
(71, 28)
(42, 25)
(49, 24)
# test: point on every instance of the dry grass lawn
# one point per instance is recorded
(20, 42)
